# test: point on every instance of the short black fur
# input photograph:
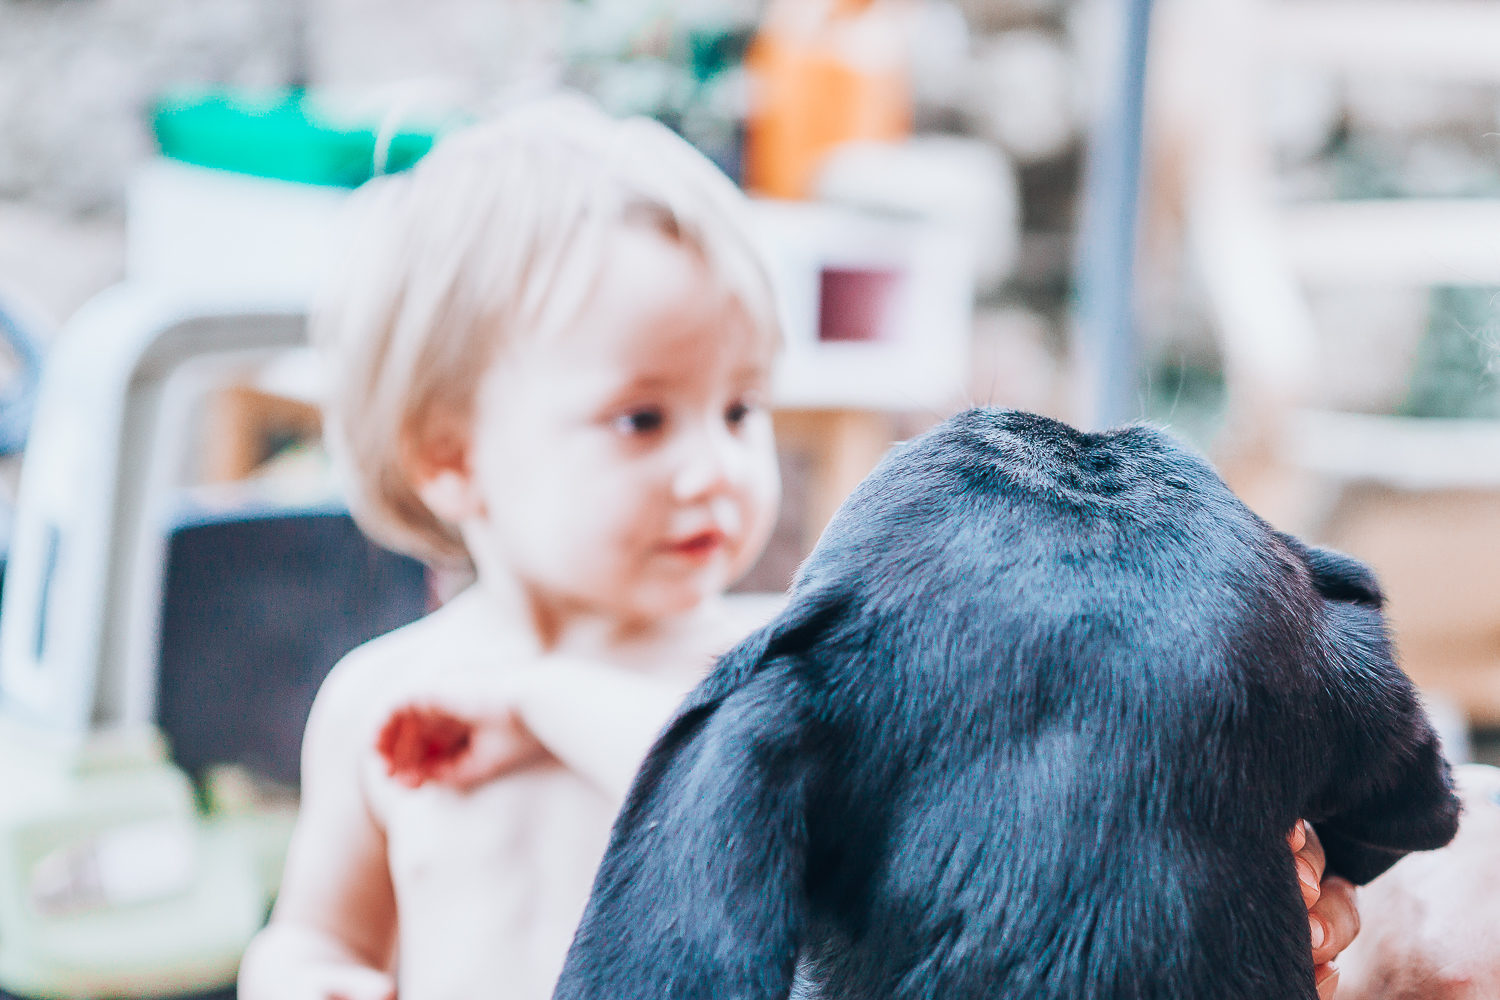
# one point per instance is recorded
(1034, 724)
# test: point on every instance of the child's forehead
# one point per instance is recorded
(600, 366)
(663, 358)
(656, 301)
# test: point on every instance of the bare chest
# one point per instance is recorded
(490, 884)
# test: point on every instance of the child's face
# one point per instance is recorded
(626, 464)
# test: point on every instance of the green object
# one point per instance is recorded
(1186, 394)
(1454, 374)
(111, 883)
(285, 135)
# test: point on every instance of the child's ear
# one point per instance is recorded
(437, 461)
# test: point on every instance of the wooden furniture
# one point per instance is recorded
(245, 426)
(840, 448)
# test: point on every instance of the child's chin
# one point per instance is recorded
(665, 599)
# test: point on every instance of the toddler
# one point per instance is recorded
(551, 343)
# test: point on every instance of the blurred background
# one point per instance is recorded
(948, 193)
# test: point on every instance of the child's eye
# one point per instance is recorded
(737, 413)
(639, 422)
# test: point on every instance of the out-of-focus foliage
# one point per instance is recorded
(1458, 357)
(681, 63)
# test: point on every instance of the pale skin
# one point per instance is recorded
(334, 933)
(1431, 921)
(610, 482)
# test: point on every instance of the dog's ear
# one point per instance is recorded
(1336, 576)
(1388, 789)
(1343, 578)
(700, 894)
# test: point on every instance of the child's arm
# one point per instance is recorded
(601, 721)
(598, 721)
(331, 936)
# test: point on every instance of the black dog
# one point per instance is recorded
(1035, 724)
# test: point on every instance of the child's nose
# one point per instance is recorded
(707, 468)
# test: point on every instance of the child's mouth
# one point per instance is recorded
(700, 546)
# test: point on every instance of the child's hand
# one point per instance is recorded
(353, 982)
(334, 981)
(1332, 919)
(292, 961)
(462, 748)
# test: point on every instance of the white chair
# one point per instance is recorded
(1258, 258)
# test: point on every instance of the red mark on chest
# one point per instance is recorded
(418, 742)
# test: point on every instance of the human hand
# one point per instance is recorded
(1333, 920)
(355, 982)
(462, 748)
(289, 961)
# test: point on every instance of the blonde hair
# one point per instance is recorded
(499, 232)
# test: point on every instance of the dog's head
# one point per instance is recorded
(1007, 516)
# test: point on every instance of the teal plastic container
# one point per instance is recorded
(284, 135)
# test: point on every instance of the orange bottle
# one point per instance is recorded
(823, 72)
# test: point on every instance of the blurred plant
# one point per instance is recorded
(1185, 393)
(678, 62)
(1457, 360)
(1363, 166)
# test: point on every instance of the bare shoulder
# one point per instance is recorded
(404, 664)
(370, 670)
(458, 636)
